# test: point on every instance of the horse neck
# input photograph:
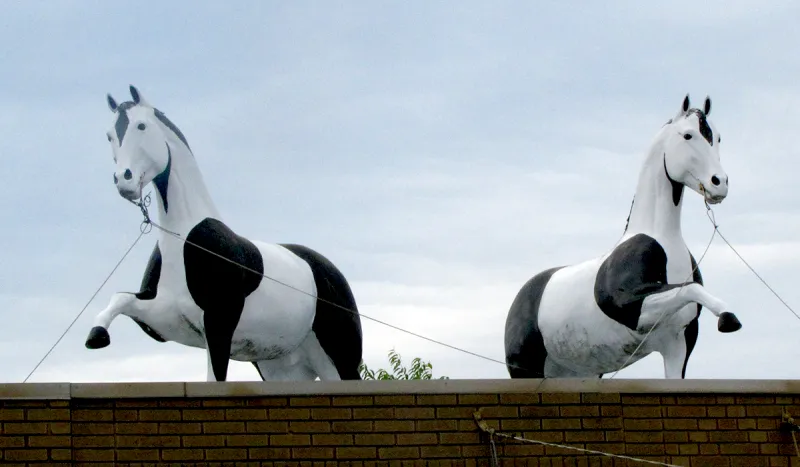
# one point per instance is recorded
(188, 199)
(654, 212)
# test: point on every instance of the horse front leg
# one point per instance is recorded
(121, 303)
(672, 300)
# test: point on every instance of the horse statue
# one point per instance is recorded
(283, 307)
(590, 318)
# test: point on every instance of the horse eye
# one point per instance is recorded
(687, 136)
(141, 126)
(719, 139)
(109, 138)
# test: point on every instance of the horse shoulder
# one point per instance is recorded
(635, 269)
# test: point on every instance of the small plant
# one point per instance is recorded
(419, 369)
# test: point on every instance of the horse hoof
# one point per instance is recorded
(98, 338)
(728, 322)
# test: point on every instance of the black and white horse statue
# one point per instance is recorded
(192, 295)
(587, 319)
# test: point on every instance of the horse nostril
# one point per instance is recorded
(128, 175)
(714, 180)
(116, 180)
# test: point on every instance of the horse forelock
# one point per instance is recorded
(702, 121)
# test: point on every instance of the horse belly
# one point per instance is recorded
(276, 318)
(577, 334)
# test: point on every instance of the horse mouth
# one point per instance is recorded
(714, 199)
(130, 195)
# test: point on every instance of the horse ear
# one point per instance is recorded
(112, 104)
(707, 106)
(137, 97)
(686, 103)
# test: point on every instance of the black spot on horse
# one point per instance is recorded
(337, 329)
(121, 125)
(212, 256)
(677, 188)
(637, 268)
(703, 126)
(525, 351)
(163, 118)
(161, 181)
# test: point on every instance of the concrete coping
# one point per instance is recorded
(61, 391)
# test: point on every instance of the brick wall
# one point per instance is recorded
(687, 423)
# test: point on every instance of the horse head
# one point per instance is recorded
(139, 145)
(691, 152)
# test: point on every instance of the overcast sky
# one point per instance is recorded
(440, 153)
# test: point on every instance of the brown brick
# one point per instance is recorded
(435, 425)
(160, 415)
(580, 411)
(561, 398)
(644, 449)
(290, 414)
(523, 450)
(643, 437)
(25, 455)
(675, 436)
(150, 428)
(460, 438)
(697, 400)
(642, 411)
(393, 425)
(757, 437)
(707, 424)
(289, 440)
(688, 449)
(204, 414)
(245, 413)
(312, 453)
(12, 442)
(716, 412)
(136, 455)
(395, 400)
(203, 441)
(223, 427)
(404, 452)
(584, 436)
(374, 439)
(48, 414)
(309, 401)
(728, 437)
(538, 411)
(644, 424)
(53, 441)
(246, 440)
(310, 427)
(332, 413)
(25, 428)
(180, 428)
(520, 424)
(92, 415)
(94, 455)
(93, 441)
(222, 402)
(686, 411)
(611, 410)
(354, 426)
(497, 411)
(629, 399)
(173, 455)
(267, 427)
(134, 441)
(270, 453)
(267, 401)
(60, 455)
(483, 399)
(726, 424)
(356, 453)
(738, 448)
(417, 439)
(763, 411)
(746, 423)
(436, 399)
(698, 436)
(600, 398)
(12, 415)
(416, 412)
(333, 439)
(606, 423)
(373, 413)
(440, 451)
(351, 401)
(677, 424)
(561, 424)
(126, 415)
(708, 449)
(226, 454)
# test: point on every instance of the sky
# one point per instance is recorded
(439, 153)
